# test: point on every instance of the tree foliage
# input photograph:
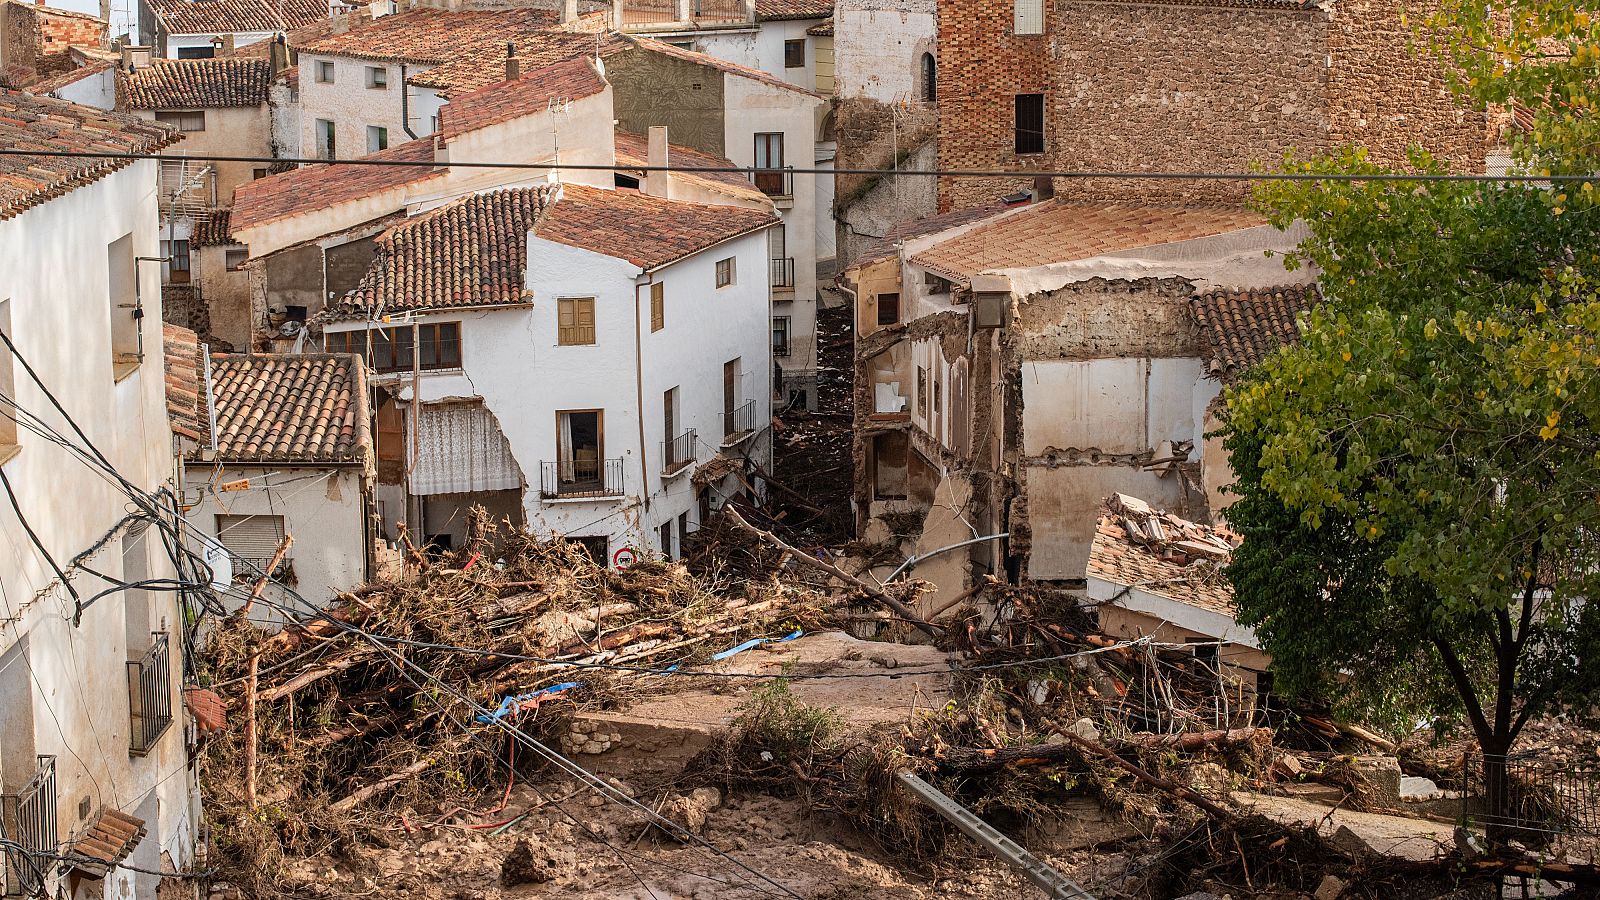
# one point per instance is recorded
(1419, 476)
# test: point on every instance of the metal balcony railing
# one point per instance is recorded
(740, 422)
(783, 272)
(774, 182)
(150, 695)
(29, 819)
(677, 453)
(577, 478)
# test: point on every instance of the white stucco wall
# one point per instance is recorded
(878, 47)
(57, 284)
(321, 507)
(240, 39)
(350, 104)
(762, 48)
(98, 90)
(512, 359)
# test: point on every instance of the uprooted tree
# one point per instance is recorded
(1419, 477)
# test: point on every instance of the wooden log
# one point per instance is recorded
(311, 676)
(1187, 795)
(250, 728)
(899, 608)
(350, 731)
(266, 575)
(383, 784)
(975, 760)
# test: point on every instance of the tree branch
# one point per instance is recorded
(1463, 682)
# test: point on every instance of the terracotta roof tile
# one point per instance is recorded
(181, 353)
(646, 231)
(1056, 231)
(573, 79)
(433, 35)
(282, 408)
(1244, 326)
(311, 188)
(723, 65)
(533, 50)
(821, 29)
(41, 123)
(1183, 560)
(775, 10)
(472, 252)
(236, 16)
(889, 244)
(107, 842)
(634, 150)
(212, 230)
(196, 83)
(50, 81)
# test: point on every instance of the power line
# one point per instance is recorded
(1074, 174)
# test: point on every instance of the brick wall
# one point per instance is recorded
(58, 32)
(1183, 88)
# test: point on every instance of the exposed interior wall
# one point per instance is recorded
(656, 89)
(227, 297)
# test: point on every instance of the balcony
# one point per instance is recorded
(738, 424)
(150, 696)
(782, 271)
(29, 819)
(677, 454)
(580, 479)
(774, 182)
(667, 15)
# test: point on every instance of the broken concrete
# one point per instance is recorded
(1377, 834)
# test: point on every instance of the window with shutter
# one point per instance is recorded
(253, 539)
(1029, 16)
(575, 320)
(658, 306)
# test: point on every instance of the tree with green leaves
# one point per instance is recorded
(1419, 476)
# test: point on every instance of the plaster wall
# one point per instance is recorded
(763, 48)
(283, 104)
(227, 295)
(98, 90)
(240, 39)
(879, 46)
(350, 104)
(230, 131)
(58, 283)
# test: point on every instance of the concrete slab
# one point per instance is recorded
(1393, 836)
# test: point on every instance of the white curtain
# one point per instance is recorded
(568, 470)
(460, 448)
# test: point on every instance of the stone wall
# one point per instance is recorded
(58, 32)
(1184, 88)
(1098, 318)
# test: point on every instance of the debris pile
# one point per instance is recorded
(1169, 538)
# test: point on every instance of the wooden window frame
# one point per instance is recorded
(893, 305)
(658, 306)
(390, 355)
(228, 252)
(727, 272)
(184, 119)
(787, 338)
(789, 55)
(599, 436)
(575, 330)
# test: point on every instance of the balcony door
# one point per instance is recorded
(769, 163)
(580, 435)
(730, 392)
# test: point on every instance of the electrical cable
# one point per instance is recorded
(1075, 174)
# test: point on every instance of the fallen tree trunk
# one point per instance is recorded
(976, 761)
(384, 783)
(311, 676)
(899, 608)
(1187, 795)
(266, 576)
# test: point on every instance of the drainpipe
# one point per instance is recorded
(405, 104)
(638, 385)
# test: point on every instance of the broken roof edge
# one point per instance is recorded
(732, 68)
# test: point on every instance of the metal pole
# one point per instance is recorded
(912, 561)
(1053, 883)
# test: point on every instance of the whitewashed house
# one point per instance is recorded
(202, 29)
(92, 743)
(572, 358)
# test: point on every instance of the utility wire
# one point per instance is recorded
(1078, 174)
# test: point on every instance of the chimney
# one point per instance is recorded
(135, 57)
(657, 184)
(279, 54)
(1044, 188)
(339, 24)
(569, 12)
(222, 45)
(513, 68)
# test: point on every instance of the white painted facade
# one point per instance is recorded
(352, 106)
(98, 90)
(62, 684)
(512, 360)
(762, 47)
(177, 42)
(879, 47)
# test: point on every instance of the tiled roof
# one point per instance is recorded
(889, 244)
(634, 150)
(55, 80)
(723, 65)
(821, 29)
(573, 79)
(1056, 231)
(282, 408)
(433, 35)
(1244, 326)
(107, 842)
(1161, 554)
(472, 252)
(534, 50)
(236, 16)
(646, 231)
(194, 83)
(311, 188)
(181, 351)
(774, 10)
(40, 123)
(212, 230)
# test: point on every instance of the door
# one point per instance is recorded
(769, 163)
(669, 402)
(581, 447)
(730, 383)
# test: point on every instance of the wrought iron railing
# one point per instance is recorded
(783, 272)
(1542, 796)
(29, 819)
(774, 182)
(649, 12)
(718, 10)
(150, 695)
(741, 421)
(677, 453)
(576, 478)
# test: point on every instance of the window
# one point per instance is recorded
(1029, 17)
(780, 335)
(324, 71)
(8, 385)
(730, 397)
(391, 349)
(205, 52)
(177, 254)
(326, 144)
(930, 79)
(782, 265)
(122, 274)
(922, 391)
(683, 529)
(258, 174)
(377, 77)
(377, 138)
(575, 323)
(666, 539)
(725, 272)
(235, 258)
(1030, 123)
(251, 540)
(888, 309)
(580, 446)
(769, 173)
(794, 54)
(658, 306)
(185, 120)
